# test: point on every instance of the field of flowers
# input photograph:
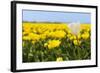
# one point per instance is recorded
(43, 42)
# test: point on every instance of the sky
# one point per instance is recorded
(51, 16)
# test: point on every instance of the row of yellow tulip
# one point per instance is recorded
(53, 35)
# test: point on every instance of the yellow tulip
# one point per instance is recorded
(57, 34)
(26, 38)
(34, 37)
(85, 35)
(33, 42)
(76, 42)
(79, 36)
(53, 44)
(72, 37)
(59, 59)
(46, 44)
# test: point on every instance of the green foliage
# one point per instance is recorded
(67, 50)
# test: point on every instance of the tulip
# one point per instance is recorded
(74, 27)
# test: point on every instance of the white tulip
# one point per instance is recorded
(74, 27)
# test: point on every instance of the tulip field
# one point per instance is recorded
(55, 41)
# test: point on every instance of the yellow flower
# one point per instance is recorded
(59, 59)
(34, 37)
(25, 33)
(46, 44)
(85, 26)
(76, 42)
(68, 35)
(88, 29)
(72, 37)
(85, 35)
(33, 42)
(68, 31)
(26, 38)
(57, 34)
(43, 36)
(79, 36)
(53, 44)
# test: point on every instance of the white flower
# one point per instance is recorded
(74, 27)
